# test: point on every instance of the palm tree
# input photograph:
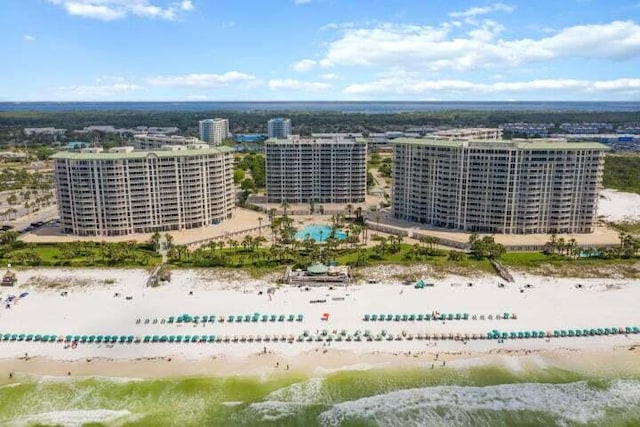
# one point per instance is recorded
(155, 240)
(284, 206)
(349, 210)
(169, 239)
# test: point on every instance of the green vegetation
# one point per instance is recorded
(485, 247)
(622, 173)
(75, 254)
(255, 164)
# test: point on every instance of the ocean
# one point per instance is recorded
(371, 107)
(473, 396)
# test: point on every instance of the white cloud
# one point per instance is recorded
(302, 1)
(94, 92)
(476, 11)
(304, 65)
(202, 80)
(110, 78)
(108, 10)
(29, 38)
(440, 48)
(291, 84)
(329, 76)
(409, 86)
(228, 24)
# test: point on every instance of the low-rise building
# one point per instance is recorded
(154, 141)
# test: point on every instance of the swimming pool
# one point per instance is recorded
(319, 233)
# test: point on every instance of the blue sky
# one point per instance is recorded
(236, 50)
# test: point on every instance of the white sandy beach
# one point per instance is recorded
(90, 308)
(619, 206)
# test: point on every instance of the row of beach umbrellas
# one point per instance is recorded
(320, 336)
(561, 333)
(255, 317)
(433, 316)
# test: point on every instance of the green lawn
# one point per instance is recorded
(51, 254)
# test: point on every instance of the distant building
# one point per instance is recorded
(538, 130)
(516, 187)
(124, 191)
(279, 128)
(154, 141)
(303, 170)
(12, 156)
(44, 131)
(214, 131)
(468, 133)
(249, 138)
(75, 145)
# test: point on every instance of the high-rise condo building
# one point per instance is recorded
(316, 170)
(214, 131)
(279, 128)
(124, 191)
(498, 186)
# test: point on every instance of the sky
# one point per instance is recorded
(291, 50)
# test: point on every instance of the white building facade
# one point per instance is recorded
(498, 186)
(214, 131)
(279, 128)
(302, 170)
(124, 191)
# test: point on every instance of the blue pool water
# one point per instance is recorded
(319, 233)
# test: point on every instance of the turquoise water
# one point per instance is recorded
(476, 396)
(319, 233)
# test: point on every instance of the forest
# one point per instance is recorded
(304, 123)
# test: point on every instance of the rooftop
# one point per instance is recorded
(63, 155)
(308, 140)
(537, 144)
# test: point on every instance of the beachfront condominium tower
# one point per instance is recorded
(279, 128)
(124, 191)
(214, 131)
(517, 187)
(302, 170)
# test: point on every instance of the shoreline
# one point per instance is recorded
(616, 362)
(72, 302)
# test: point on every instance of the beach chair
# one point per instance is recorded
(130, 339)
(299, 318)
(29, 337)
(291, 318)
(405, 317)
(397, 318)
(212, 338)
(186, 339)
(273, 318)
(171, 319)
(146, 339)
(231, 318)
(98, 339)
(247, 318)
(264, 318)
(281, 318)
(155, 338)
(172, 338)
(239, 319)
(367, 317)
(178, 338)
(212, 318)
(412, 317)
(164, 338)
